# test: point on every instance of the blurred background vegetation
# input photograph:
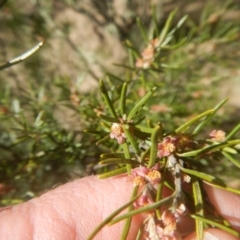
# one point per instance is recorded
(48, 100)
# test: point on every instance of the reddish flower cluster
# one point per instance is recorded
(147, 55)
(143, 175)
(166, 147)
(143, 200)
(170, 144)
(166, 228)
(118, 133)
(218, 135)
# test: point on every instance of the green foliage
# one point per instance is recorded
(165, 155)
(50, 132)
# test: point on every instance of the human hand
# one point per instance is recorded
(73, 210)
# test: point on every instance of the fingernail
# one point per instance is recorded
(209, 236)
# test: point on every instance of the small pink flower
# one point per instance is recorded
(140, 171)
(143, 200)
(155, 42)
(139, 181)
(154, 231)
(143, 175)
(168, 218)
(118, 133)
(154, 176)
(218, 135)
(148, 53)
(167, 147)
(143, 63)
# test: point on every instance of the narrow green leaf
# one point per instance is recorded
(110, 75)
(207, 119)
(150, 123)
(216, 224)
(219, 219)
(181, 21)
(144, 155)
(140, 134)
(140, 104)
(140, 233)
(236, 162)
(167, 25)
(169, 184)
(156, 134)
(211, 180)
(21, 57)
(107, 99)
(163, 65)
(129, 45)
(175, 46)
(129, 220)
(131, 138)
(111, 155)
(224, 187)
(193, 153)
(91, 131)
(119, 161)
(110, 217)
(203, 176)
(102, 140)
(109, 119)
(113, 173)
(142, 210)
(233, 132)
(171, 34)
(160, 190)
(230, 150)
(211, 148)
(219, 146)
(191, 121)
(154, 19)
(138, 121)
(131, 54)
(127, 156)
(199, 210)
(146, 129)
(105, 125)
(124, 66)
(142, 31)
(123, 99)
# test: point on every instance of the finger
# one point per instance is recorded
(226, 203)
(212, 234)
(71, 211)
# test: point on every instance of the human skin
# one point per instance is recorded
(73, 210)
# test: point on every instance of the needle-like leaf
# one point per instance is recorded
(21, 57)
(107, 99)
(198, 202)
(140, 104)
(216, 224)
(110, 217)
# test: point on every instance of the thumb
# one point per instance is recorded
(71, 211)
